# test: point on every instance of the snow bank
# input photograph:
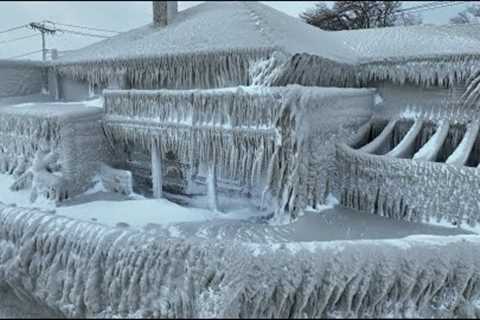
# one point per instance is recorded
(81, 269)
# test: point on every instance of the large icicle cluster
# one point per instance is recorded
(444, 71)
(304, 69)
(275, 142)
(413, 190)
(20, 137)
(471, 98)
(81, 269)
(177, 71)
(236, 124)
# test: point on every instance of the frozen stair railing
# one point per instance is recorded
(406, 147)
(460, 156)
(430, 150)
(381, 140)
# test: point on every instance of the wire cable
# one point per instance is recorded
(20, 38)
(25, 54)
(83, 33)
(82, 27)
(13, 29)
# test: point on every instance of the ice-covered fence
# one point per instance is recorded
(81, 269)
(412, 190)
(204, 70)
(37, 139)
(20, 78)
(277, 138)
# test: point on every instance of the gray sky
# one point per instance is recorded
(121, 16)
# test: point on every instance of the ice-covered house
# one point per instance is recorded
(192, 88)
(243, 99)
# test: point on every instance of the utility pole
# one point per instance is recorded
(37, 26)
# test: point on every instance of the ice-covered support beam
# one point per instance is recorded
(212, 181)
(431, 149)
(382, 142)
(406, 147)
(157, 175)
(460, 156)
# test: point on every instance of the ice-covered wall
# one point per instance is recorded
(38, 140)
(81, 269)
(19, 78)
(413, 190)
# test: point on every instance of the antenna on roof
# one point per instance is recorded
(164, 12)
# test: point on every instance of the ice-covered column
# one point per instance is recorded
(212, 181)
(157, 178)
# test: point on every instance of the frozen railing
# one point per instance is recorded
(416, 180)
(87, 270)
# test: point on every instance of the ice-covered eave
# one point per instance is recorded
(442, 70)
(205, 69)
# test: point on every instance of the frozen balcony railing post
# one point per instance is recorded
(157, 177)
(212, 179)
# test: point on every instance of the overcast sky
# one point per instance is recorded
(121, 16)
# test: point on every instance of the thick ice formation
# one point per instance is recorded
(79, 269)
(55, 149)
(274, 142)
(378, 181)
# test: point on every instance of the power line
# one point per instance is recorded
(428, 4)
(433, 7)
(13, 29)
(83, 33)
(82, 27)
(20, 38)
(26, 54)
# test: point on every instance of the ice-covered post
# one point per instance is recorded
(156, 170)
(212, 180)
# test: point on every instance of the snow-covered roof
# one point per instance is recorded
(213, 26)
(412, 42)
